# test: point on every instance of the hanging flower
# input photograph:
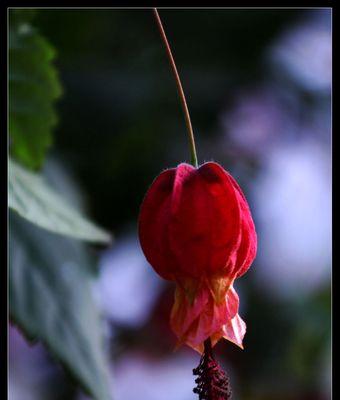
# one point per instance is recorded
(195, 229)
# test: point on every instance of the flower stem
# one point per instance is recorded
(207, 347)
(180, 90)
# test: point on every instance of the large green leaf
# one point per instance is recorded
(50, 300)
(32, 197)
(33, 88)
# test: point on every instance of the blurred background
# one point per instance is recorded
(258, 86)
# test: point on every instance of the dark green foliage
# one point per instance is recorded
(51, 300)
(31, 196)
(33, 88)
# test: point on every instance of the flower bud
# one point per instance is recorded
(196, 229)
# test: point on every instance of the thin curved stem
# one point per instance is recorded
(180, 91)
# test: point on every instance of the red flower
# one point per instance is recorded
(195, 229)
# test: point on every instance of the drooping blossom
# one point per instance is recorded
(196, 229)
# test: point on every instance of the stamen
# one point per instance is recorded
(212, 381)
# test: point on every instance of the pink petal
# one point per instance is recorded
(204, 318)
(234, 330)
(183, 314)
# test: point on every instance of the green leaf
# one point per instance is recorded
(50, 300)
(32, 197)
(33, 88)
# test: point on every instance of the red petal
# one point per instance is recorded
(154, 220)
(205, 225)
(226, 220)
(189, 228)
(248, 246)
